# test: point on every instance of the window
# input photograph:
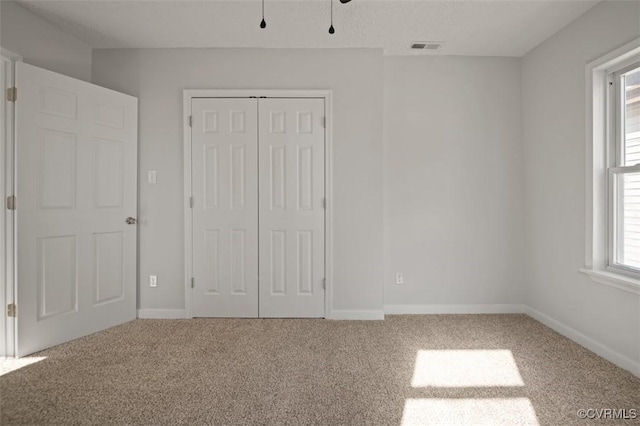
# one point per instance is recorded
(612, 197)
(623, 134)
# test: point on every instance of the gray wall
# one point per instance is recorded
(42, 44)
(158, 76)
(452, 166)
(553, 91)
(453, 181)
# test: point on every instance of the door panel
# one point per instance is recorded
(76, 159)
(291, 180)
(225, 212)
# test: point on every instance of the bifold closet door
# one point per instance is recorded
(292, 215)
(225, 211)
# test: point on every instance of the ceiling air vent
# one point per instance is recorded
(426, 45)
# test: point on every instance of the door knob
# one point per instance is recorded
(131, 221)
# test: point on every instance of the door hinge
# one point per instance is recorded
(193, 282)
(12, 94)
(324, 283)
(191, 202)
(11, 310)
(324, 203)
(11, 202)
(191, 121)
(324, 122)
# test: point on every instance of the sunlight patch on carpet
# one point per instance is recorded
(480, 411)
(7, 365)
(465, 368)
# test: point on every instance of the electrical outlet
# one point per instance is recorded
(151, 177)
(399, 278)
(153, 281)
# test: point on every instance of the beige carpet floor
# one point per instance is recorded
(427, 369)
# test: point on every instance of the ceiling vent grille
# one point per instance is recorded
(426, 45)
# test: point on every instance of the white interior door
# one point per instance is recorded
(225, 210)
(292, 213)
(76, 156)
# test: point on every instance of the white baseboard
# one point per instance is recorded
(452, 309)
(583, 340)
(356, 315)
(161, 313)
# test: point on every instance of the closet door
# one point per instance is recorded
(291, 179)
(225, 211)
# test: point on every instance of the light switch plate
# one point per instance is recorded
(151, 176)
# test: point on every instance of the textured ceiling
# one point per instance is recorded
(485, 28)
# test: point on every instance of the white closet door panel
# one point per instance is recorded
(76, 185)
(291, 179)
(225, 213)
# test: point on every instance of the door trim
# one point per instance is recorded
(7, 217)
(187, 96)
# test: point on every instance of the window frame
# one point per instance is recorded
(615, 134)
(598, 161)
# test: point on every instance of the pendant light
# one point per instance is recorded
(263, 24)
(331, 29)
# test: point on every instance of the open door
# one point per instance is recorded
(76, 189)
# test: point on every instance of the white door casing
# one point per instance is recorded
(7, 230)
(76, 185)
(6, 216)
(224, 158)
(292, 207)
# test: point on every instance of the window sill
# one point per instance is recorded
(619, 281)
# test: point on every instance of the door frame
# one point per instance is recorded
(8, 325)
(188, 95)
